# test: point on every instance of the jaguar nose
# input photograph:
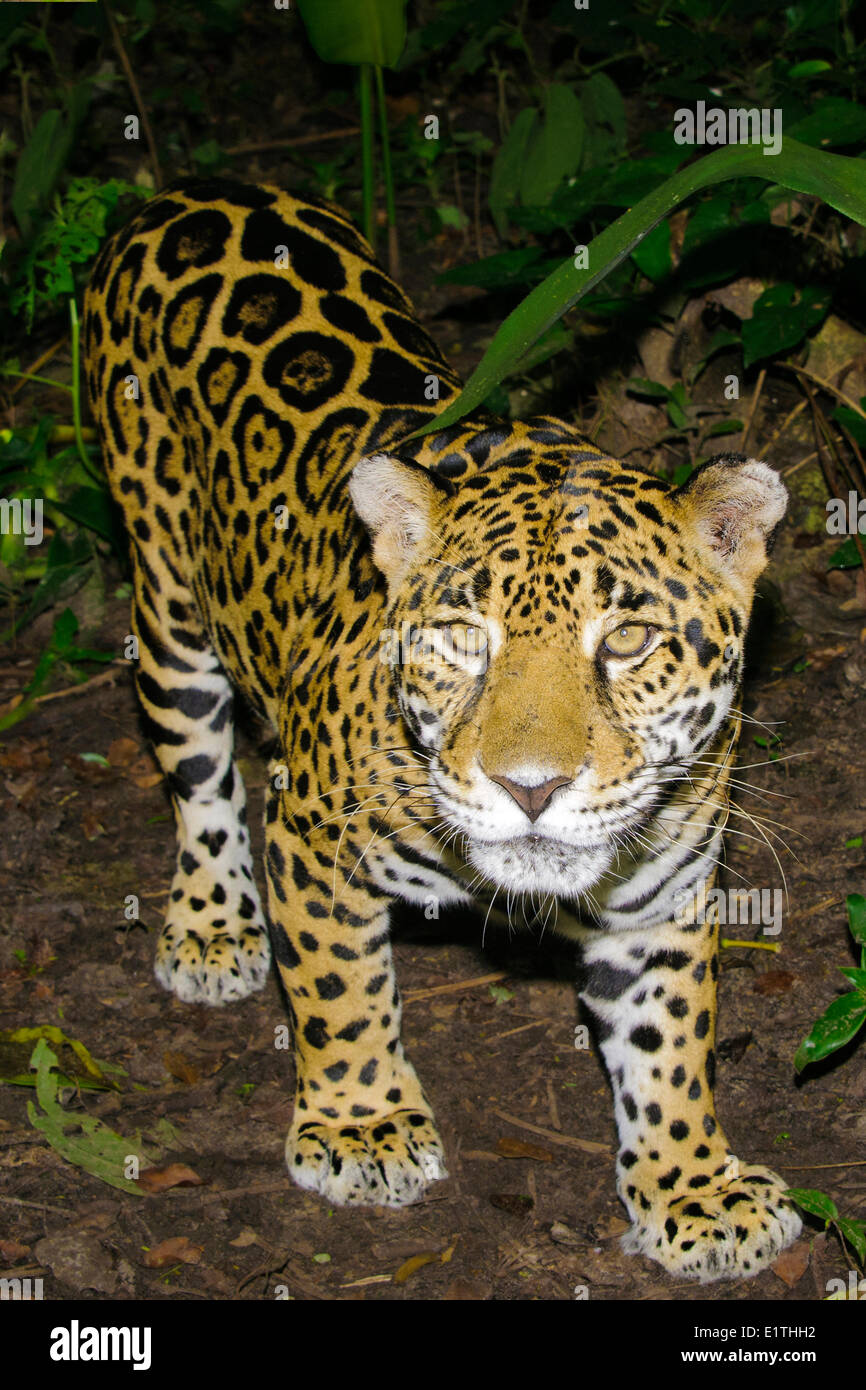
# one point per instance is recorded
(532, 800)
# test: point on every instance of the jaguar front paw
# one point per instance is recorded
(214, 947)
(389, 1162)
(731, 1229)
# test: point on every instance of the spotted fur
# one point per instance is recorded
(500, 665)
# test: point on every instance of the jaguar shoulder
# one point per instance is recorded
(495, 659)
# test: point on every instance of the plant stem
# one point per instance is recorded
(76, 393)
(391, 211)
(365, 100)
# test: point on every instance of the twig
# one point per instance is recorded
(413, 995)
(136, 95)
(38, 1206)
(101, 679)
(762, 376)
(569, 1141)
(40, 362)
(809, 1167)
(824, 386)
(259, 146)
(497, 1037)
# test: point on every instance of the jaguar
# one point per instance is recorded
(500, 667)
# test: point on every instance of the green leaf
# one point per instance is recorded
(781, 318)
(555, 147)
(815, 1203)
(809, 68)
(855, 1233)
(834, 121)
(856, 905)
(853, 422)
(503, 271)
(838, 1025)
(837, 180)
(642, 386)
(508, 167)
(79, 1138)
(39, 167)
(75, 1064)
(847, 557)
(652, 256)
(91, 507)
(604, 114)
(356, 31)
(724, 427)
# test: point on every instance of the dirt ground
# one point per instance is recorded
(530, 1210)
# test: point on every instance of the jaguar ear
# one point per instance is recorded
(735, 504)
(397, 502)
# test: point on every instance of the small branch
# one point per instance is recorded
(762, 376)
(136, 95)
(413, 995)
(259, 146)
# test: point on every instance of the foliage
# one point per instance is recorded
(843, 1019)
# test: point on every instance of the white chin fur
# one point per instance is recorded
(536, 865)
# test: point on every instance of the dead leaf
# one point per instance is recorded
(123, 751)
(415, 1262)
(168, 1252)
(244, 1238)
(792, 1264)
(13, 1249)
(155, 1180)
(520, 1148)
(178, 1066)
(774, 982)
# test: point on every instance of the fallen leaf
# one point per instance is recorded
(168, 1252)
(774, 982)
(155, 1180)
(792, 1264)
(123, 751)
(178, 1066)
(244, 1238)
(521, 1148)
(415, 1262)
(13, 1249)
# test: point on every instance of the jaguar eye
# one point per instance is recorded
(464, 640)
(628, 640)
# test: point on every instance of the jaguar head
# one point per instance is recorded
(566, 640)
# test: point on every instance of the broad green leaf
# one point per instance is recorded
(508, 167)
(781, 318)
(356, 31)
(39, 167)
(853, 422)
(809, 68)
(91, 507)
(502, 271)
(79, 1138)
(834, 121)
(838, 1025)
(642, 386)
(814, 1202)
(652, 256)
(855, 1233)
(847, 557)
(76, 1067)
(856, 905)
(555, 146)
(837, 180)
(604, 113)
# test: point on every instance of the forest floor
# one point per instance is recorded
(530, 1210)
